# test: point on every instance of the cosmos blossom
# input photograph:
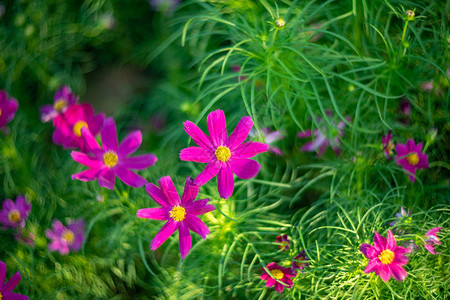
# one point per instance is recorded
(111, 160)
(280, 273)
(270, 137)
(68, 126)
(63, 99)
(8, 287)
(15, 214)
(8, 108)
(385, 257)
(388, 144)
(223, 154)
(432, 239)
(283, 242)
(65, 239)
(181, 214)
(410, 157)
(299, 261)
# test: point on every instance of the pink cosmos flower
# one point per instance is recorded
(8, 287)
(299, 261)
(63, 239)
(280, 273)
(224, 155)
(321, 142)
(15, 214)
(410, 157)
(270, 137)
(63, 99)
(284, 242)
(104, 164)
(179, 213)
(385, 257)
(432, 239)
(26, 237)
(8, 108)
(388, 145)
(68, 125)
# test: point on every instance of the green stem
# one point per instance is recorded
(403, 37)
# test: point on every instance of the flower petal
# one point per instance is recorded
(139, 162)
(304, 134)
(2, 273)
(217, 127)
(244, 168)
(87, 175)
(397, 272)
(208, 173)
(372, 266)
(190, 191)
(168, 189)
(109, 135)
(379, 242)
(163, 234)
(225, 182)
(430, 248)
(391, 244)
(249, 149)
(107, 178)
(240, 133)
(14, 296)
(157, 213)
(131, 143)
(156, 194)
(86, 160)
(185, 239)
(197, 154)
(196, 225)
(12, 283)
(279, 287)
(197, 135)
(270, 282)
(368, 250)
(384, 272)
(433, 231)
(89, 140)
(130, 178)
(199, 207)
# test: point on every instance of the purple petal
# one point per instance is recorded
(434, 230)
(276, 150)
(199, 207)
(87, 175)
(208, 173)
(107, 178)
(109, 135)
(244, 168)
(249, 149)
(2, 273)
(384, 272)
(168, 189)
(190, 191)
(379, 242)
(196, 225)
(304, 134)
(86, 160)
(400, 259)
(163, 234)
(14, 296)
(410, 145)
(157, 213)
(139, 162)
(391, 244)
(430, 248)
(368, 250)
(131, 143)
(397, 272)
(197, 135)
(12, 283)
(185, 239)
(279, 287)
(156, 194)
(373, 265)
(240, 133)
(196, 154)
(217, 127)
(89, 140)
(423, 161)
(48, 113)
(308, 147)
(225, 182)
(273, 136)
(130, 178)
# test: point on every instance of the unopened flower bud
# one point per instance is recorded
(280, 23)
(409, 15)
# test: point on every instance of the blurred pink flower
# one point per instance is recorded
(8, 287)
(280, 273)
(15, 214)
(270, 137)
(299, 261)
(410, 157)
(65, 239)
(283, 242)
(432, 239)
(8, 108)
(63, 99)
(388, 145)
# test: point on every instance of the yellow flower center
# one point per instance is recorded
(178, 213)
(110, 159)
(0, 116)
(68, 236)
(413, 159)
(280, 22)
(60, 104)
(389, 147)
(278, 274)
(14, 216)
(386, 257)
(222, 153)
(284, 244)
(1, 296)
(77, 127)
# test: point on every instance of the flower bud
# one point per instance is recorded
(409, 15)
(280, 23)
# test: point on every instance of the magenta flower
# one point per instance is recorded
(388, 144)
(8, 287)
(63, 99)
(283, 242)
(279, 273)
(179, 214)
(8, 108)
(299, 261)
(68, 126)
(104, 164)
(270, 137)
(321, 142)
(385, 257)
(432, 239)
(410, 157)
(15, 214)
(224, 155)
(63, 239)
